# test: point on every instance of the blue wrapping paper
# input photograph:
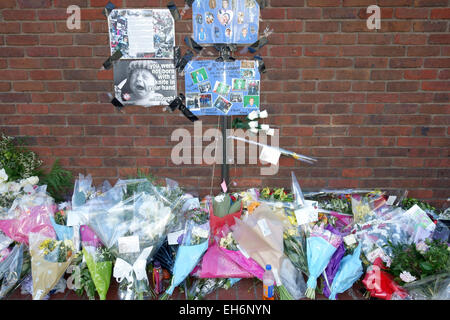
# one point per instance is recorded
(350, 270)
(319, 253)
(62, 232)
(185, 261)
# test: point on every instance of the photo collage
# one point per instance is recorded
(225, 21)
(218, 88)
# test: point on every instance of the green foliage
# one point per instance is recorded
(409, 202)
(21, 163)
(58, 181)
(18, 162)
(407, 257)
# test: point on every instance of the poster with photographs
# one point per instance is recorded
(225, 21)
(142, 33)
(222, 88)
(145, 82)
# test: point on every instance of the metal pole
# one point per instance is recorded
(225, 168)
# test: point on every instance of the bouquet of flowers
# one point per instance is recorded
(194, 244)
(223, 209)
(50, 259)
(59, 221)
(99, 262)
(381, 284)
(80, 279)
(31, 213)
(333, 266)
(350, 270)
(11, 265)
(9, 191)
(424, 262)
(229, 247)
(320, 247)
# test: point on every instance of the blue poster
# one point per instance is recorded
(222, 88)
(225, 21)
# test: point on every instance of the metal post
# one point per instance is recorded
(225, 168)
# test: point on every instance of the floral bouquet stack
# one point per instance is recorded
(320, 247)
(50, 259)
(99, 262)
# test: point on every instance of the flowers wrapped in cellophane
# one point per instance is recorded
(30, 214)
(11, 267)
(50, 259)
(396, 226)
(321, 244)
(100, 263)
(381, 284)
(229, 247)
(435, 287)
(194, 244)
(350, 270)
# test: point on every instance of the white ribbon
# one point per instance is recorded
(124, 270)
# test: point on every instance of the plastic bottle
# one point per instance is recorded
(268, 283)
(157, 277)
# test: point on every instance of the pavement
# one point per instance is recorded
(245, 289)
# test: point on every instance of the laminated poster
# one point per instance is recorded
(145, 82)
(225, 21)
(142, 33)
(222, 88)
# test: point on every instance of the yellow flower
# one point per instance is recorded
(252, 207)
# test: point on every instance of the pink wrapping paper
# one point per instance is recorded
(34, 220)
(247, 264)
(89, 237)
(217, 264)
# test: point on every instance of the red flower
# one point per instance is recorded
(233, 198)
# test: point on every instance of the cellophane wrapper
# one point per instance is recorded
(189, 253)
(30, 214)
(217, 264)
(144, 212)
(11, 269)
(396, 226)
(435, 287)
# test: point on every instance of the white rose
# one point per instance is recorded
(270, 132)
(265, 127)
(3, 176)
(33, 180)
(253, 115)
(254, 130)
(407, 277)
(263, 114)
(422, 247)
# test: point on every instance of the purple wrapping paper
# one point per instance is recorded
(333, 266)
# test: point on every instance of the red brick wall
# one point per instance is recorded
(372, 106)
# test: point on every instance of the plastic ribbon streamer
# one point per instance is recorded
(178, 104)
(284, 152)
